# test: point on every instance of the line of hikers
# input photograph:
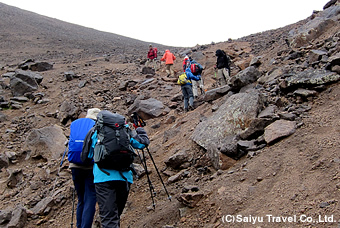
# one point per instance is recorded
(191, 79)
(101, 150)
(102, 146)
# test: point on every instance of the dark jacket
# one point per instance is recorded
(223, 60)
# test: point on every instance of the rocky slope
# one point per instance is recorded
(266, 146)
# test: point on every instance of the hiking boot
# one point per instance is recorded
(191, 107)
(186, 110)
(168, 75)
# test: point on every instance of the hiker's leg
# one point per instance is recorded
(90, 200)
(167, 69)
(191, 97)
(147, 62)
(79, 185)
(185, 97)
(226, 75)
(172, 70)
(107, 202)
(154, 62)
(200, 82)
(221, 79)
(122, 195)
(194, 88)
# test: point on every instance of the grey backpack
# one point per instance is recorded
(113, 149)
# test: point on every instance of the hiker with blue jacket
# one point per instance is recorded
(187, 90)
(82, 173)
(112, 185)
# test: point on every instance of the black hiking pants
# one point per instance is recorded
(111, 198)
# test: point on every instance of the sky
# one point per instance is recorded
(176, 22)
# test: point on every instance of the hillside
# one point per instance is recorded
(266, 146)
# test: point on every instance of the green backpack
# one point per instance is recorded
(182, 79)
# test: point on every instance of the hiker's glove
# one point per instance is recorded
(133, 133)
(142, 137)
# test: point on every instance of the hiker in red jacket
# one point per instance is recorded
(169, 58)
(152, 57)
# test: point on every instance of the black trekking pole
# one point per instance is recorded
(61, 164)
(152, 189)
(159, 175)
(73, 199)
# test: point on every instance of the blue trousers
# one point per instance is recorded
(188, 95)
(83, 183)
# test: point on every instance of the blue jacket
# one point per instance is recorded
(190, 76)
(100, 176)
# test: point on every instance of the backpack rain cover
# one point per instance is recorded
(78, 131)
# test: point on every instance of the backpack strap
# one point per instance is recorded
(126, 181)
(107, 173)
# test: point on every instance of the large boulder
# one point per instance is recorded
(41, 207)
(176, 160)
(243, 78)
(68, 111)
(148, 70)
(23, 82)
(272, 75)
(333, 63)
(30, 64)
(46, 143)
(148, 109)
(278, 130)
(216, 93)
(19, 218)
(310, 78)
(232, 118)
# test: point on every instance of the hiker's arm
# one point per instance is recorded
(135, 144)
(163, 58)
(196, 78)
(141, 139)
(190, 76)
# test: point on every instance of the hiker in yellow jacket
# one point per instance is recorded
(169, 58)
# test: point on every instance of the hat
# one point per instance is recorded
(186, 57)
(150, 45)
(92, 113)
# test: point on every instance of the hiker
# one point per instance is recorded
(223, 67)
(186, 87)
(113, 177)
(186, 63)
(169, 58)
(196, 69)
(152, 57)
(82, 173)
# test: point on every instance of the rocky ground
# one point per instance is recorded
(264, 147)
